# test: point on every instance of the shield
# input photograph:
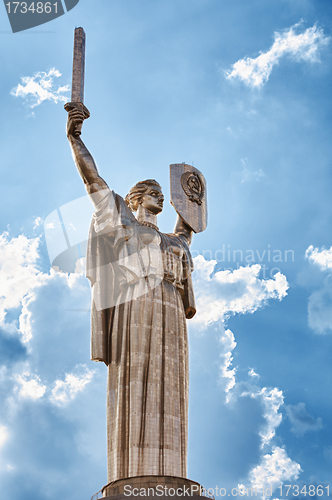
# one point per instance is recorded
(188, 195)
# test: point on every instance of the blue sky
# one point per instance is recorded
(240, 89)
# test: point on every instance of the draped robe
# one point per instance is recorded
(141, 295)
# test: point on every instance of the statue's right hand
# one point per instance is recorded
(75, 119)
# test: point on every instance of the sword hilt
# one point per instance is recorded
(78, 105)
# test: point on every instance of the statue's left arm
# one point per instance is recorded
(182, 229)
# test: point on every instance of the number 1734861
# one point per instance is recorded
(311, 490)
(33, 7)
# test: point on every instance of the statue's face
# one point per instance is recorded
(153, 199)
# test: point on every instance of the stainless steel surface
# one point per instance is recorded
(141, 296)
(77, 88)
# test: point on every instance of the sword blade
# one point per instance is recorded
(77, 89)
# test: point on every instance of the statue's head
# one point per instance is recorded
(148, 194)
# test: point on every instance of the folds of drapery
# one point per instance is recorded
(120, 253)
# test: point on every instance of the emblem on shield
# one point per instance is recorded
(188, 195)
(193, 186)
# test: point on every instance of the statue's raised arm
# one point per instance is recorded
(77, 113)
(83, 159)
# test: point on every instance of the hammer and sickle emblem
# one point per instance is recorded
(193, 186)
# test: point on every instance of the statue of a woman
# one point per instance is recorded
(141, 297)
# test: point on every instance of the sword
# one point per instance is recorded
(77, 88)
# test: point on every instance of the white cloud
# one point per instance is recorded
(274, 469)
(3, 435)
(301, 420)
(323, 258)
(20, 279)
(221, 295)
(248, 175)
(304, 46)
(252, 373)
(227, 379)
(47, 309)
(65, 391)
(19, 274)
(31, 387)
(239, 291)
(40, 87)
(80, 266)
(38, 221)
(271, 400)
(320, 301)
(25, 319)
(225, 293)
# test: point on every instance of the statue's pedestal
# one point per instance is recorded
(153, 488)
